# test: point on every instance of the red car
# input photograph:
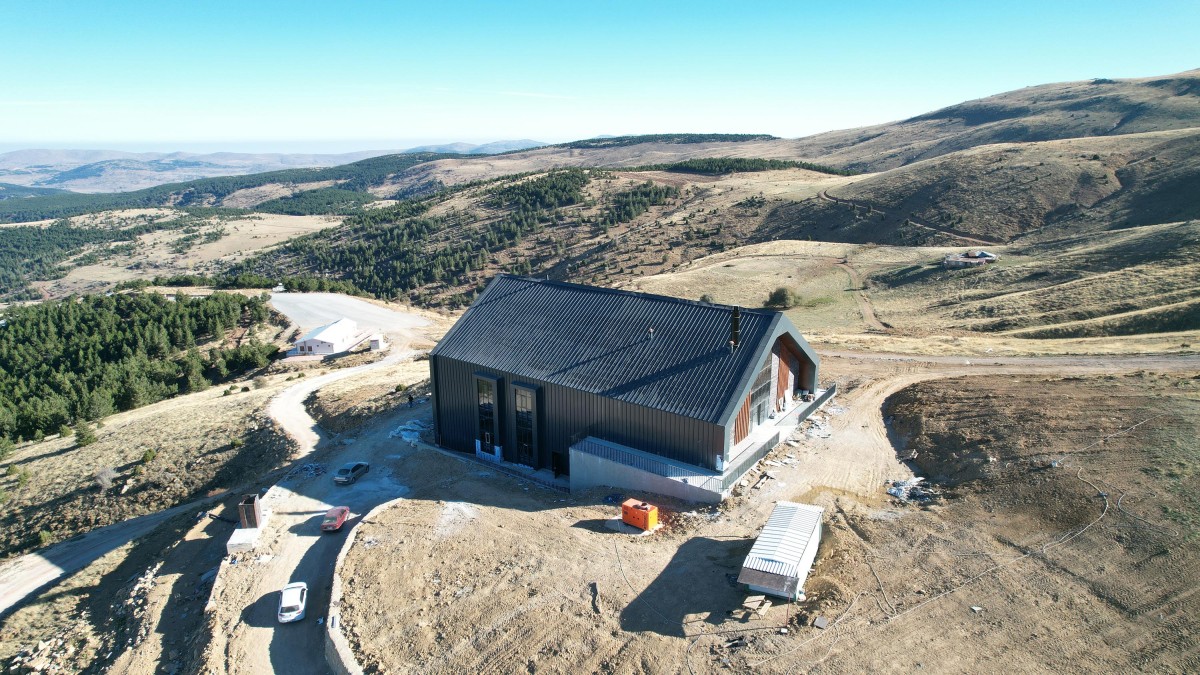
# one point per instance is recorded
(335, 518)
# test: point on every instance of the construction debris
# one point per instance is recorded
(912, 490)
(410, 432)
(309, 470)
(818, 427)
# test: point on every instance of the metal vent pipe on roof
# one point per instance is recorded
(735, 328)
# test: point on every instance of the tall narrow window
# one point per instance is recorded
(760, 396)
(526, 450)
(486, 392)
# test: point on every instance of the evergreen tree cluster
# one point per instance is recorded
(719, 166)
(555, 189)
(393, 251)
(84, 358)
(29, 253)
(619, 141)
(327, 201)
(625, 206)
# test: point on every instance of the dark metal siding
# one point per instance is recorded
(567, 416)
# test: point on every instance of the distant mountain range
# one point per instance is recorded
(118, 171)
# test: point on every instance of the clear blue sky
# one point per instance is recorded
(342, 75)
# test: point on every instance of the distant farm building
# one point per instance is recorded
(619, 388)
(333, 338)
(969, 259)
(783, 554)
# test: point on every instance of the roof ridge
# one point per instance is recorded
(639, 294)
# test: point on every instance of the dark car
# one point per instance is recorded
(335, 518)
(351, 472)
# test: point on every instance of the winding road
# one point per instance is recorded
(292, 547)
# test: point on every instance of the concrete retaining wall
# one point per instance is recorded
(338, 654)
(588, 471)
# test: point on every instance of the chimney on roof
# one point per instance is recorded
(735, 328)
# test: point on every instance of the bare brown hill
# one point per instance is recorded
(1000, 192)
(1099, 107)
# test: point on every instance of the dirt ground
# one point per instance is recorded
(349, 404)
(475, 571)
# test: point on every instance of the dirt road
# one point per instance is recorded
(249, 639)
(29, 574)
(864, 303)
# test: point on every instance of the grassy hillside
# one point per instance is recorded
(1126, 282)
(1001, 192)
(1099, 107)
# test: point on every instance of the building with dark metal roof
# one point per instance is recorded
(535, 366)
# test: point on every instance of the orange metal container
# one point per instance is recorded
(639, 514)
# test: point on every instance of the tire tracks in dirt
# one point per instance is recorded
(865, 308)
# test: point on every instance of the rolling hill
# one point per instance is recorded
(1099, 107)
(1049, 171)
(997, 193)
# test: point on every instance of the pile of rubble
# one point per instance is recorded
(410, 432)
(309, 470)
(912, 490)
(818, 427)
(56, 654)
(77, 647)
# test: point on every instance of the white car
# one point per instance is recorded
(292, 599)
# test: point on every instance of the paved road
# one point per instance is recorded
(25, 576)
(310, 310)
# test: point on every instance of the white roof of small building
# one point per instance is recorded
(339, 330)
(781, 544)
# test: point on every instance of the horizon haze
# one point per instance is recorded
(311, 78)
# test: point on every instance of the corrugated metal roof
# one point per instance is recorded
(334, 332)
(783, 586)
(781, 544)
(598, 340)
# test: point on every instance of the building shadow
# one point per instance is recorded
(602, 526)
(693, 586)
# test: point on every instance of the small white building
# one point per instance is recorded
(333, 338)
(783, 554)
(378, 342)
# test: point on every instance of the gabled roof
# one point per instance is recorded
(598, 340)
(335, 332)
(779, 549)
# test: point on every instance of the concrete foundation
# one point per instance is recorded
(589, 471)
